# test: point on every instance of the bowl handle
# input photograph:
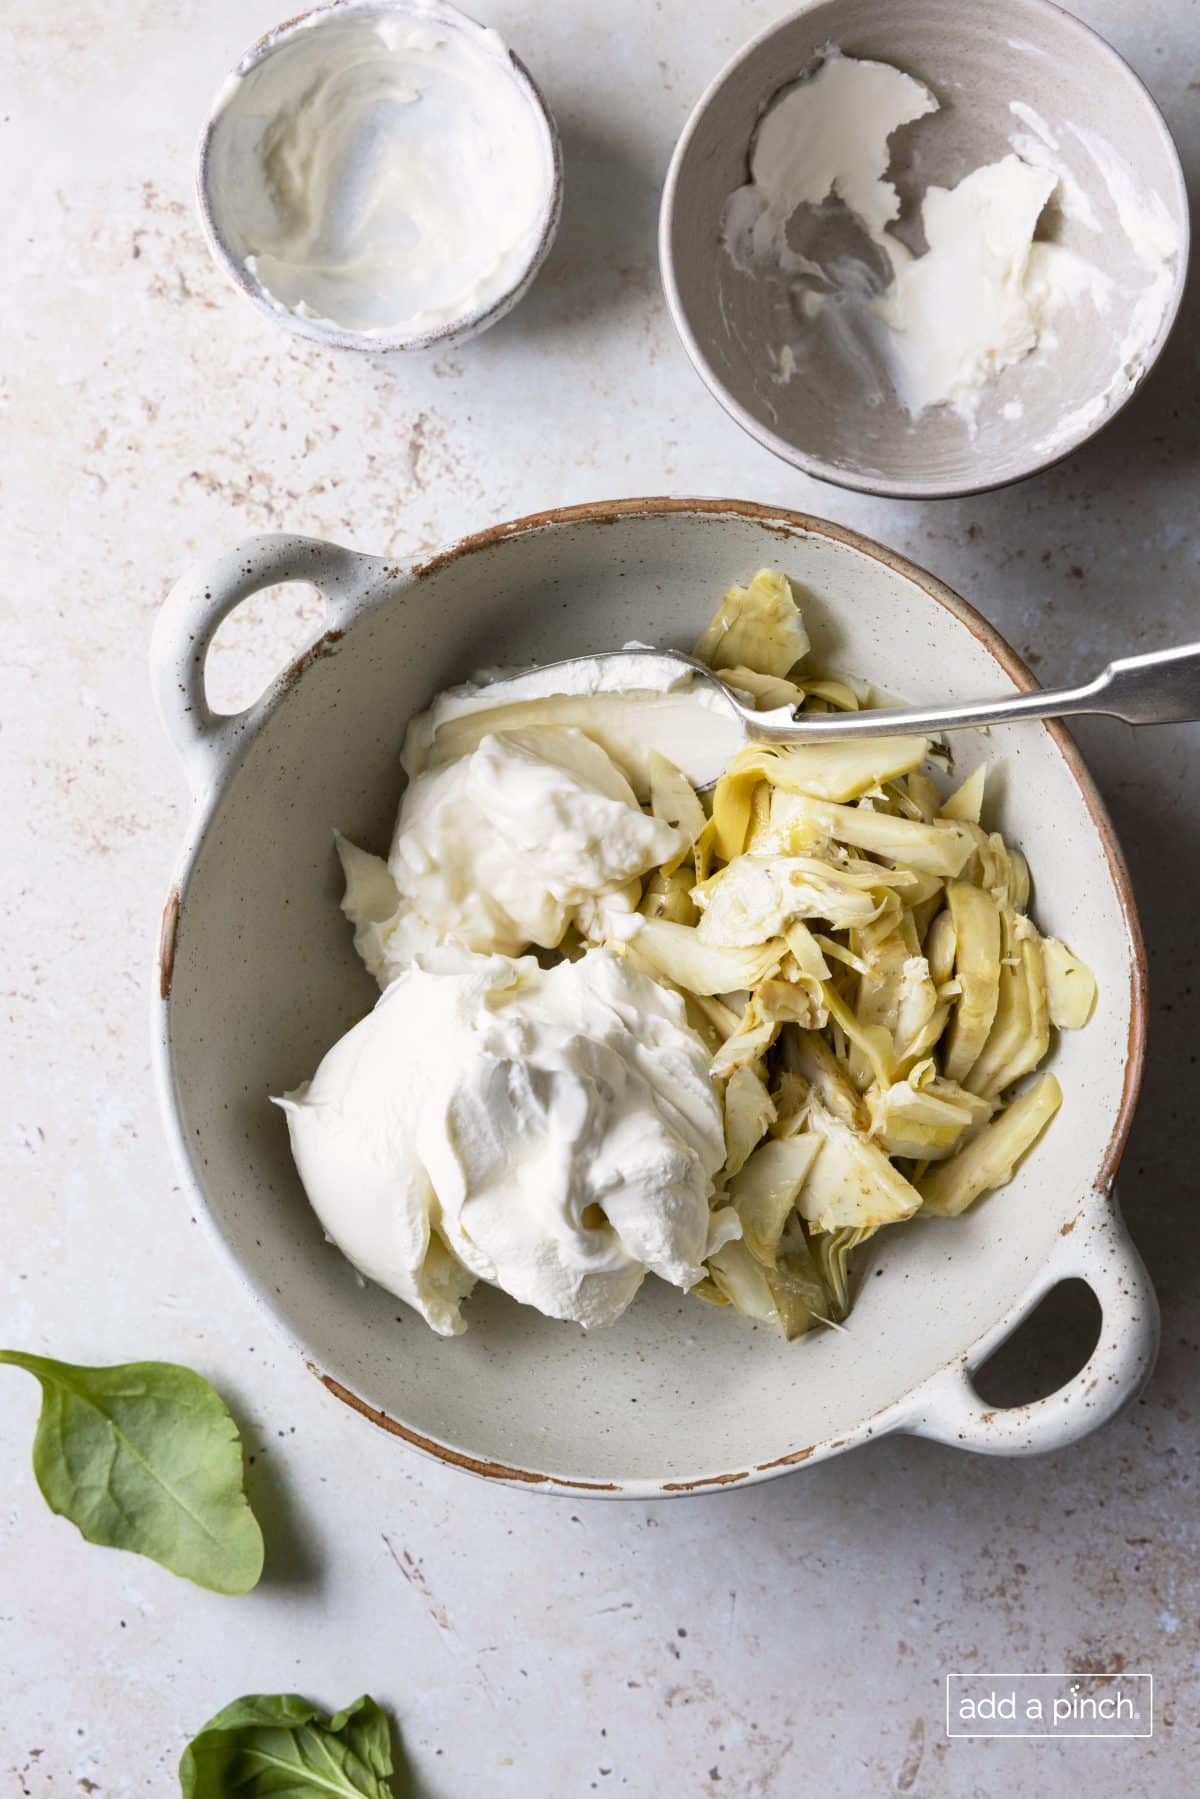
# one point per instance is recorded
(189, 617)
(1098, 1249)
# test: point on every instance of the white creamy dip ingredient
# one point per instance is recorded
(554, 1132)
(984, 293)
(497, 848)
(389, 175)
(502, 849)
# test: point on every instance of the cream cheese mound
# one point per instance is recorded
(552, 1131)
(503, 848)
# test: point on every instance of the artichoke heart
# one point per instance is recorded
(941, 848)
(923, 1118)
(758, 627)
(749, 1114)
(1070, 986)
(851, 1183)
(976, 918)
(989, 1159)
(764, 1193)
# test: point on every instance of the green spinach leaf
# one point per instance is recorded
(145, 1457)
(278, 1746)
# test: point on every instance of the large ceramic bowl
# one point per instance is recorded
(258, 977)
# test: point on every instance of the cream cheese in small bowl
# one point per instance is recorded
(381, 175)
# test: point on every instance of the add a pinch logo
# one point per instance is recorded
(1092, 1704)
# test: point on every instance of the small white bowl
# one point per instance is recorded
(282, 75)
(976, 60)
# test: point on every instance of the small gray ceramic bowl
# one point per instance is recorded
(277, 71)
(976, 60)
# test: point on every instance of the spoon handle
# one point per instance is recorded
(1157, 689)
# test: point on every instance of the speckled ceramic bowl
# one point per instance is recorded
(222, 189)
(257, 977)
(829, 419)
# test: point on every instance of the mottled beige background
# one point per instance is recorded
(787, 1640)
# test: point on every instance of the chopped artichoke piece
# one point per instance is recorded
(807, 951)
(678, 952)
(791, 1295)
(851, 1183)
(1018, 881)
(709, 1292)
(829, 696)
(758, 627)
(916, 1012)
(724, 1226)
(941, 945)
(759, 825)
(895, 799)
(743, 1282)
(832, 1251)
(764, 1193)
(893, 983)
(925, 795)
(1003, 872)
(756, 897)
(1020, 1036)
(925, 1040)
(807, 1055)
(752, 1039)
(669, 896)
(798, 1001)
(708, 1033)
(749, 1114)
(924, 1117)
(965, 803)
(833, 771)
(673, 799)
(872, 1055)
(839, 952)
(941, 848)
(977, 967)
(989, 1159)
(769, 692)
(790, 1094)
(718, 1017)
(800, 1295)
(1070, 986)
(844, 693)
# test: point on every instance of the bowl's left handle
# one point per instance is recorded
(193, 610)
(1097, 1249)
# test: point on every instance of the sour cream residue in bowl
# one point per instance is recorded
(819, 214)
(386, 173)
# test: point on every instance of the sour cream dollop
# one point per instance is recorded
(503, 848)
(552, 1131)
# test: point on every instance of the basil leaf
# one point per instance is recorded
(278, 1745)
(145, 1457)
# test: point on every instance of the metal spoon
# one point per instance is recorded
(1160, 688)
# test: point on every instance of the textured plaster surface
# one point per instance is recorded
(790, 1639)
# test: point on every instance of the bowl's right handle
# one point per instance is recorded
(206, 594)
(1099, 1250)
